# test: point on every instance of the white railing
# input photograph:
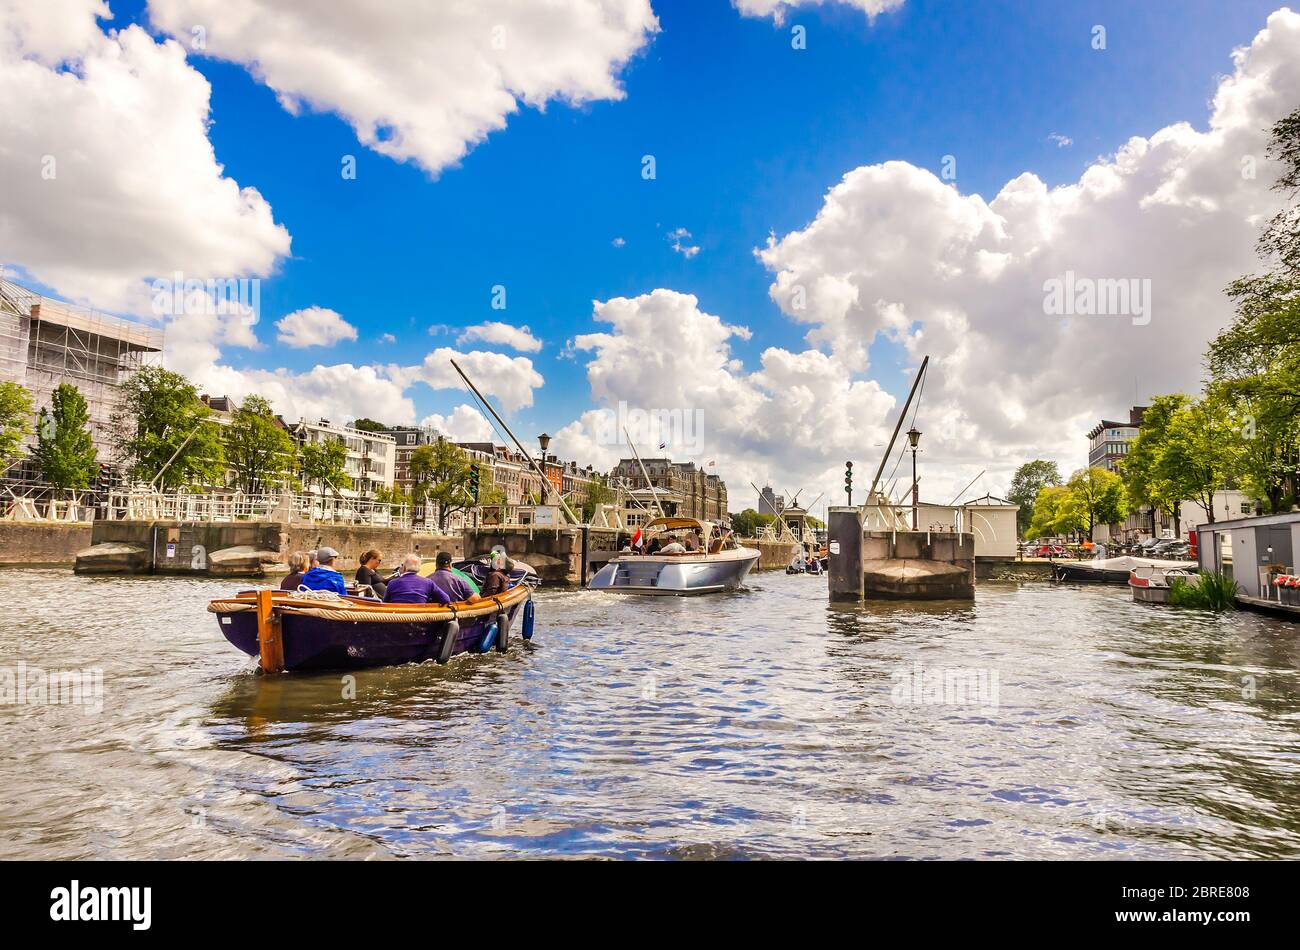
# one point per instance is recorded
(286, 508)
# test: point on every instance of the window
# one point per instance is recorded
(1245, 507)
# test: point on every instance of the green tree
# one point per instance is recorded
(599, 494)
(489, 492)
(1270, 444)
(1202, 449)
(1255, 363)
(392, 496)
(1146, 478)
(441, 474)
(1095, 496)
(65, 451)
(164, 434)
(1053, 514)
(15, 422)
(1281, 238)
(324, 464)
(749, 523)
(1029, 480)
(261, 452)
(369, 425)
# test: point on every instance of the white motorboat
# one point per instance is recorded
(1112, 570)
(717, 564)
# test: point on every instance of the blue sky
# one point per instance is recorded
(748, 134)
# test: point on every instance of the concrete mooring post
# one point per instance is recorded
(844, 543)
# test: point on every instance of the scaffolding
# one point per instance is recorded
(45, 343)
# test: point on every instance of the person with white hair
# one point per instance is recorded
(411, 588)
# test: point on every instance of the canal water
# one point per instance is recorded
(1039, 722)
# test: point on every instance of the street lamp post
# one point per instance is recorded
(544, 441)
(914, 436)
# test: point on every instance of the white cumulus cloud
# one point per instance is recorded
(110, 179)
(670, 365)
(463, 424)
(314, 326)
(777, 9)
(501, 334)
(424, 82)
(894, 252)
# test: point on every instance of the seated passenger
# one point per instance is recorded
(673, 547)
(454, 587)
(498, 579)
(326, 576)
(691, 543)
(411, 588)
(298, 565)
(368, 572)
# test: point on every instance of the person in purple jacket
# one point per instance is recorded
(411, 588)
(447, 581)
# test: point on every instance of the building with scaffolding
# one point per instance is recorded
(45, 343)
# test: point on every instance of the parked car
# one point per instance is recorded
(1172, 550)
(1048, 550)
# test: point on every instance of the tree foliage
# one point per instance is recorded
(749, 523)
(598, 494)
(324, 465)
(1146, 478)
(1096, 497)
(441, 473)
(64, 450)
(1255, 363)
(1093, 496)
(1049, 519)
(1029, 480)
(15, 422)
(164, 434)
(261, 452)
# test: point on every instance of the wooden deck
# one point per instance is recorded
(1269, 606)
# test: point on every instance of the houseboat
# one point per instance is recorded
(1256, 553)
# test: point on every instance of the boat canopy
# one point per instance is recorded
(676, 524)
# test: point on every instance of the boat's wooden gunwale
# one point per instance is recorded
(362, 609)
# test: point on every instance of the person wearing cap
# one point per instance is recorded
(326, 576)
(446, 581)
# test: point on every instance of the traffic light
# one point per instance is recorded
(848, 481)
(473, 482)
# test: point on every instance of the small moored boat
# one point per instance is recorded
(1111, 570)
(720, 563)
(320, 630)
(1151, 585)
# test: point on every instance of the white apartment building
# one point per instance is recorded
(372, 456)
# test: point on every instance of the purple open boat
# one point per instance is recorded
(309, 631)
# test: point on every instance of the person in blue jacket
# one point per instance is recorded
(326, 576)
